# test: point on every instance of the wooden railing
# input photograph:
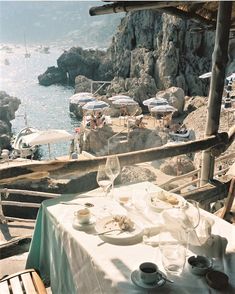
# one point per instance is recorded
(4, 194)
(35, 171)
(196, 173)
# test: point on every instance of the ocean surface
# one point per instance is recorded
(43, 107)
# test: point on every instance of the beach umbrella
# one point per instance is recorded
(81, 98)
(117, 97)
(231, 77)
(95, 106)
(151, 102)
(125, 102)
(206, 75)
(47, 137)
(163, 109)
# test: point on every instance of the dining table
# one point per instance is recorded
(82, 259)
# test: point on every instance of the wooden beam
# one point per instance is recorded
(20, 204)
(17, 245)
(60, 169)
(30, 193)
(220, 58)
(208, 193)
(190, 16)
(126, 6)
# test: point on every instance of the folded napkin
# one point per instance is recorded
(175, 219)
(150, 235)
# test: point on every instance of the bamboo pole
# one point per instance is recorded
(220, 58)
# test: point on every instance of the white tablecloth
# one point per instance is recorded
(80, 262)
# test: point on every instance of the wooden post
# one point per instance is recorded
(220, 58)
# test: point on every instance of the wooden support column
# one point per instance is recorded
(219, 61)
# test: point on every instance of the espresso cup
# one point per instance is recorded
(83, 215)
(148, 272)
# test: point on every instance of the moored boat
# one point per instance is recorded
(20, 149)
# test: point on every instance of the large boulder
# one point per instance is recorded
(90, 63)
(53, 75)
(96, 141)
(139, 88)
(140, 139)
(175, 97)
(176, 166)
(193, 103)
(82, 84)
(135, 174)
(8, 107)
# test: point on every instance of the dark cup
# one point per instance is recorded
(148, 272)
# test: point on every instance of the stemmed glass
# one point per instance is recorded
(103, 179)
(112, 168)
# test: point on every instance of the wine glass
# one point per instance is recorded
(103, 179)
(112, 168)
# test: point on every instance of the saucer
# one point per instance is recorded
(135, 277)
(79, 226)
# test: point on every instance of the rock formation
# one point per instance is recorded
(151, 51)
(96, 141)
(176, 166)
(8, 107)
(52, 75)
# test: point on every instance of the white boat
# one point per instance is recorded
(180, 134)
(20, 149)
(27, 54)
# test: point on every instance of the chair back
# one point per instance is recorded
(24, 282)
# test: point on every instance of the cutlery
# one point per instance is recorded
(74, 203)
(165, 278)
(109, 231)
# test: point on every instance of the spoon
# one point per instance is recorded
(87, 204)
(109, 231)
(165, 278)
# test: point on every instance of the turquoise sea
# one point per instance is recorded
(44, 107)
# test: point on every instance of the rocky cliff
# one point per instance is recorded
(151, 51)
(167, 48)
(8, 107)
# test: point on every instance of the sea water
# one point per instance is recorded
(44, 107)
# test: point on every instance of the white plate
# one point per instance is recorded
(157, 201)
(135, 277)
(118, 237)
(79, 226)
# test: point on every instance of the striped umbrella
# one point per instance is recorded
(151, 102)
(117, 97)
(163, 109)
(95, 106)
(125, 102)
(81, 98)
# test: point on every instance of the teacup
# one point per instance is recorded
(124, 199)
(83, 215)
(148, 272)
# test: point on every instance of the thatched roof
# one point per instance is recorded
(204, 13)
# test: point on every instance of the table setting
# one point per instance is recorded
(131, 239)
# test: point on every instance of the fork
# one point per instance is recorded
(109, 231)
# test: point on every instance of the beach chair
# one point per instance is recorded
(24, 282)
